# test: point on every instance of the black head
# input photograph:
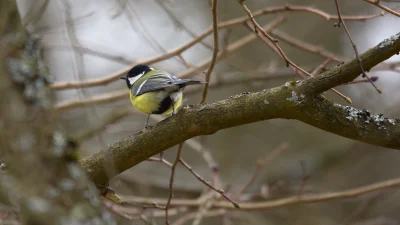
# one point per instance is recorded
(134, 74)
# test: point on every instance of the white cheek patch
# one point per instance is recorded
(132, 80)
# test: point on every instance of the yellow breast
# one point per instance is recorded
(150, 102)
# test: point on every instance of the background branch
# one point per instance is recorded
(233, 22)
(277, 203)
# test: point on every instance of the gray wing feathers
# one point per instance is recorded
(162, 81)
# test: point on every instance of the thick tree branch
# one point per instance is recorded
(300, 101)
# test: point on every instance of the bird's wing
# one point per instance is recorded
(158, 81)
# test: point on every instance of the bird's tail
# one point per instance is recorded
(186, 82)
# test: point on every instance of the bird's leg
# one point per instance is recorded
(147, 122)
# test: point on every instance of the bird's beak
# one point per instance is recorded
(123, 77)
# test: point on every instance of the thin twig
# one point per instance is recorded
(305, 46)
(226, 24)
(257, 28)
(261, 37)
(203, 210)
(283, 202)
(132, 16)
(116, 115)
(160, 159)
(232, 48)
(171, 181)
(262, 163)
(221, 192)
(376, 3)
(114, 76)
(354, 45)
(280, 51)
(373, 79)
(102, 98)
(178, 22)
(215, 50)
(363, 208)
(110, 206)
(321, 67)
(152, 205)
(192, 215)
(208, 158)
(306, 175)
(78, 57)
(161, 156)
(35, 13)
(115, 58)
(205, 153)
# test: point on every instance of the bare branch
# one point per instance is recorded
(262, 163)
(215, 50)
(171, 181)
(189, 216)
(198, 177)
(305, 46)
(276, 47)
(354, 46)
(377, 4)
(233, 22)
(282, 202)
(103, 98)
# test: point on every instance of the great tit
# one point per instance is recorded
(155, 91)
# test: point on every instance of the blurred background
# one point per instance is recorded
(92, 39)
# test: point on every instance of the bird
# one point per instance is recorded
(154, 91)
